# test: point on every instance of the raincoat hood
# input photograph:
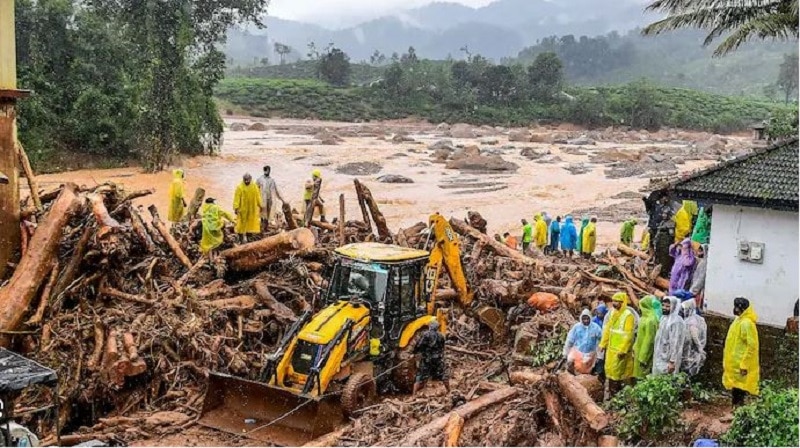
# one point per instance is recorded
(648, 306)
(750, 314)
(689, 308)
(619, 297)
(316, 173)
(568, 219)
(586, 313)
(674, 311)
(177, 173)
(602, 308)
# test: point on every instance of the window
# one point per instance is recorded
(365, 281)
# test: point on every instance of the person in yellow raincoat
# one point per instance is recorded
(683, 220)
(645, 240)
(540, 232)
(213, 221)
(589, 239)
(247, 206)
(617, 342)
(177, 203)
(308, 195)
(740, 367)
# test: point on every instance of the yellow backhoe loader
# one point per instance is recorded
(379, 300)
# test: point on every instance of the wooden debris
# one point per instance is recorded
(261, 253)
(162, 230)
(26, 168)
(452, 430)
(583, 403)
(631, 252)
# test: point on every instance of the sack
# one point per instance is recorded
(543, 301)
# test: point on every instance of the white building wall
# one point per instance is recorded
(772, 287)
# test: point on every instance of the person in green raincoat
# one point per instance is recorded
(702, 228)
(626, 233)
(617, 342)
(213, 221)
(247, 206)
(177, 203)
(645, 337)
(584, 223)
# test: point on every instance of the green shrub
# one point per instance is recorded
(652, 408)
(549, 349)
(771, 420)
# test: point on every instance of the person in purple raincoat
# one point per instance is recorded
(683, 266)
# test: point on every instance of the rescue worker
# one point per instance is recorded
(668, 350)
(664, 237)
(527, 236)
(555, 231)
(645, 240)
(510, 241)
(247, 207)
(626, 232)
(600, 314)
(698, 284)
(177, 202)
(569, 236)
(683, 220)
(702, 228)
(580, 348)
(540, 232)
(268, 188)
(682, 267)
(213, 220)
(740, 366)
(579, 243)
(308, 195)
(617, 341)
(657, 209)
(431, 363)
(694, 342)
(589, 238)
(645, 337)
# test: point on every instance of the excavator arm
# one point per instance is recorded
(446, 252)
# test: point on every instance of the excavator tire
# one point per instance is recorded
(405, 375)
(358, 392)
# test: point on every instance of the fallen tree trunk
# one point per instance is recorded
(26, 168)
(194, 205)
(140, 230)
(291, 224)
(499, 248)
(380, 222)
(465, 411)
(104, 219)
(362, 204)
(162, 230)
(662, 283)
(527, 377)
(280, 311)
(16, 296)
(553, 407)
(71, 270)
(608, 441)
(452, 430)
(258, 254)
(631, 252)
(238, 303)
(36, 319)
(582, 402)
(593, 386)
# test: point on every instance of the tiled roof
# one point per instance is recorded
(766, 178)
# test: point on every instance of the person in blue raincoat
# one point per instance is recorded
(569, 236)
(555, 230)
(580, 348)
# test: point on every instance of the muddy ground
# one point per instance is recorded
(564, 170)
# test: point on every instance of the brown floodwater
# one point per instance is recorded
(290, 149)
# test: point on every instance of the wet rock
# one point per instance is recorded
(508, 147)
(548, 159)
(657, 157)
(580, 141)
(541, 138)
(578, 168)
(466, 152)
(519, 135)
(491, 141)
(257, 126)
(394, 179)
(482, 163)
(401, 137)
(533, 154)
(327, 138)
(446, 144)
(442, 127)
(461, 130)
(442, 154)
(238, 127)
(359, 168)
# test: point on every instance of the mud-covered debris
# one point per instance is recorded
(578, 168)
(395, 179)
(359, 168)
(238, 127)
(482, 163)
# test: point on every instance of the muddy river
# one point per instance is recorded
(292, 149)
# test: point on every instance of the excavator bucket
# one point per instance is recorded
(266, 413)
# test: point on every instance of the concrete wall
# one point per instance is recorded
(771, 287)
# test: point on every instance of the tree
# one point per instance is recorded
(545, 76)
(282, 50)
(334, 67)
(787, 76)
(393, 80)
(313, 53)
(377, 58)
(740, 20)
(639, 106)
(497, 85)
(409, 58)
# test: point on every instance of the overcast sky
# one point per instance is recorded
(340, 12)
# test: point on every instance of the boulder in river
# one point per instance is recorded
(394, 179)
